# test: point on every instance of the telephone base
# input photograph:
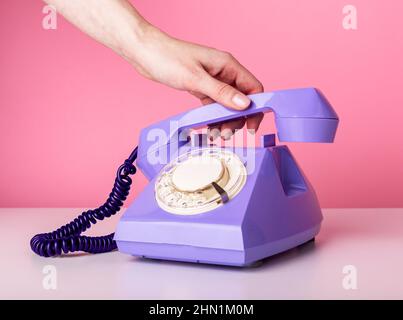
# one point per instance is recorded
(276, 210)
(238, 258)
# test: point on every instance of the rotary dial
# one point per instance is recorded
(199, 181)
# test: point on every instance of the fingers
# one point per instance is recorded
(253, 122)
(225, 130)
(245, 81)
(206, 100)
(203, 98)
(228, 128)
(226, 68)
(222, 93)
(214, 132)
(227, 82)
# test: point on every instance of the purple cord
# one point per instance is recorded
(68, 238)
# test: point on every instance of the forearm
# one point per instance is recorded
(114, 23)
(209, 74)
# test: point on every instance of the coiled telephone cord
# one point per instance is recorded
(68, 238)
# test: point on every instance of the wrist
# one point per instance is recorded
(142, 36)
(141, 32)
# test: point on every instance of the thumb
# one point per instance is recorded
(223, 93)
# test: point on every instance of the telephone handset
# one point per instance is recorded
(202, 204)
(301, 115)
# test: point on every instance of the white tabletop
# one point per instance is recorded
(369, 240)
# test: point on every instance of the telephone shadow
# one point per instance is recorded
(285, 257)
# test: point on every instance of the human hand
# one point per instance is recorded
(209, 74)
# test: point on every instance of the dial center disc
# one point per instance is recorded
(197, 173)
(184, 186)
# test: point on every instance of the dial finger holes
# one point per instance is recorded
(185, 186)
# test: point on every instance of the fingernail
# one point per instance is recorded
(214, 133)
(226, 134)
(252, 131)
(241, 101)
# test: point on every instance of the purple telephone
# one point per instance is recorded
(208, 204)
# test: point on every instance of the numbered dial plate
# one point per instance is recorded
(185, 186)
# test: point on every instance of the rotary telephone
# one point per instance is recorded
(207, 204)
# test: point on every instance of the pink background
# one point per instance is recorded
(71, 110)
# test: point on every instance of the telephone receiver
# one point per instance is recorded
(301, 115)
(202, 204)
